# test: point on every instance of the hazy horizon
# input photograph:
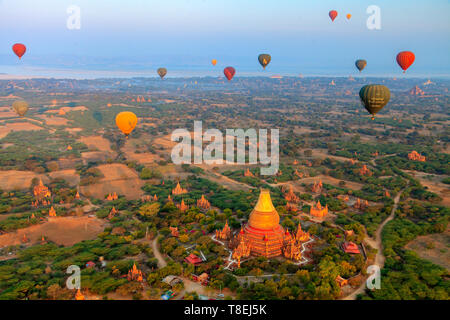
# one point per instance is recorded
(137, 37)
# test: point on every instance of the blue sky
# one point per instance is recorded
(186, 34)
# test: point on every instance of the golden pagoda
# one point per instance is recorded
(69, 148)
(295, 162)
(225, 233)
(263, 232)
(414, 155)
(318, 211)
(387, 194)
(317, 187)
(77, 196)
(202, 203)
(301, 235)
(178, 190)
(361, 204)
(52, 212)
(241, 251)
(112, 213)
(291, 196)
(112, 196)
(248, 173)
(364, 171)
(155, 197)
(41, 192)
(135, 274)
(79, 295)
(292, 251)
(25, 238)
(182, 206)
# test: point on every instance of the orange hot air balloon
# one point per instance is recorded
(229, 72)
(405, 59)
(126, 121)
(19, 49)
(333, 14)
(349, 16)
(214, 62)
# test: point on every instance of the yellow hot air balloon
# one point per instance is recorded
(126, 121)
(20, 107)
(214, 62)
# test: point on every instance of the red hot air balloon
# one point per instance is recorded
(229, 72)
(19, 49)
(333, 14)
(405, 59)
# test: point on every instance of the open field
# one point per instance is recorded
(64, 231)
(96, 143)
(19, 126)
(333, 181)
(433, 247)
(54, 121)
(117, 178)
(18, 180)
(434, 184)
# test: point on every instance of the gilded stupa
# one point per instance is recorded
(263, 232)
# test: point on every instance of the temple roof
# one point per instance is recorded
(264, 203)
(264, 216)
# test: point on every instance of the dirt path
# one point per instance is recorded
(377, 244)
(161, 262)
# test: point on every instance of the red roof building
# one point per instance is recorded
(350, 247)
(193, 259)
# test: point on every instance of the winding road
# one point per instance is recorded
(161, 262)
(377, 244)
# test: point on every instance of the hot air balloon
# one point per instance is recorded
(374, 97)
(405, 59)
(162, 72)
(264, 59)
(348, 16)
(214, 62)
(360, 64)
(20, 107)
(229, 72)
(333, 14)
(19, 49)
(126, 121)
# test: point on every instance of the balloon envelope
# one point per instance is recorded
(229, 72)
(264, 59)
(162, 72)
(405, 59)
(349, 16)
(214, 62)
(360, 64)
(20, 107)
(333, 14)
(374, 97)
(126, 121)
(19, 49)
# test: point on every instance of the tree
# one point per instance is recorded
(149, 209)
